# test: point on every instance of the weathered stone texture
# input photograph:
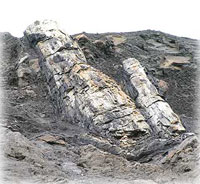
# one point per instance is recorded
(83, 94)
(160, 116)
(49, 148)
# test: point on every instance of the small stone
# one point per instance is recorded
(42, 115)
(34, 64)
(82, 39)
(163, 86)
(187, 169)
(23, 59)
(38, 165)
(30, 92)
(99, 43)
(52, 139)
(23, 72)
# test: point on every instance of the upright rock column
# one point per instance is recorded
(83, 94)
(161, 117)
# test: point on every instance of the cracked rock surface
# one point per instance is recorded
(160, 116)
(77, 112)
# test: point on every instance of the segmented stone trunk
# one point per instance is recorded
(161, 117)
(83, 94)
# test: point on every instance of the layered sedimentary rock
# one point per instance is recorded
(81, 93)
(161, 117)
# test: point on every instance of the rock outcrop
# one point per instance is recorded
(159, 114)
(91, 99)
(80, 108)
(81, 93)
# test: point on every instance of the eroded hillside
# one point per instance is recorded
(115, 106)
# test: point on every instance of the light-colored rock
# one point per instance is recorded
(31, 92)
(81, 93)
(26, 68)
(22, 72)
(174, 62)
(23, 59)
(118, 39)
(99, 43)
(160, 116)
(163, 87)
(82, 38)
(52, 139)
(172, 49)
(34, 65)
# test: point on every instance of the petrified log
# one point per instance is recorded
(161, 118)
(83, 94)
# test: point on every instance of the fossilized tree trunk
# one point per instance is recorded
(83, 94)
(161, 117)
